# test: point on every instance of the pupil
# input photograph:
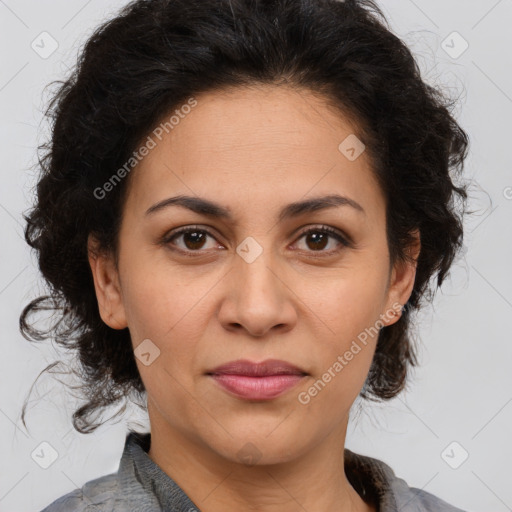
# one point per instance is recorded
(195, 238)
(318, 244)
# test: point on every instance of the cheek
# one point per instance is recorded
(351, 309)
(162, 303)
(352, 304)
(166, 308)
(344, 359)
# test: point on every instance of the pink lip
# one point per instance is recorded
(257, 381)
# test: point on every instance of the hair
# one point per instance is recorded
(152, 57)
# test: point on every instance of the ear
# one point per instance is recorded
(401, 282)
(106, 284)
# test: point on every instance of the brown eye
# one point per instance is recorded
(192, 239)
(318, 238)
(317, 241)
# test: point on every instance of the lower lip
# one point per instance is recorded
(257, 388)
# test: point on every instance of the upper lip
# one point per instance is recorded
(262, 369)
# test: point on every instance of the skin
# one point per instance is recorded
(253, 151)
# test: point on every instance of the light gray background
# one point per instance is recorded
(463, 390)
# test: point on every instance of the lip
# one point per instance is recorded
(257, 381)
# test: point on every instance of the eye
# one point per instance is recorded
(193, 239)
(317, 239)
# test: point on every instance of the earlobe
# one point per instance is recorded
(106, 285)
(402, 280)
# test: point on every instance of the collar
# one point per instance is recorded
(141, 478)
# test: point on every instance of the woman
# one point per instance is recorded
(242, 204)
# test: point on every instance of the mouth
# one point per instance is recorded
(257, 381)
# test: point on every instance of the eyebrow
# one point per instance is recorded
(214, 210)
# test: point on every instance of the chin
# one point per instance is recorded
(259, 446)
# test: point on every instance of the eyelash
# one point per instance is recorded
(166, 240)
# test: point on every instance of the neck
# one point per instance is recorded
(315, 480)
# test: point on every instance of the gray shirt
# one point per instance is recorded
(140, 485)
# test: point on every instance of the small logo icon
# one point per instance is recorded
(249, 249)
(454, 455)
(44, 45)
(249, 454)
(44, 455)
(146, 352)
(351, 147)
(454, 45)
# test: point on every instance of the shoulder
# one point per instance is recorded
(376, 478)
(414, 499)
(100, 492)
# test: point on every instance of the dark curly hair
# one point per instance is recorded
(151, 58)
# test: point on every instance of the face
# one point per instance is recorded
(252, 283)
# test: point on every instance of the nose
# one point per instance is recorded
(258, 298)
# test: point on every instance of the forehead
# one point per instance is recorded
(266, 143)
